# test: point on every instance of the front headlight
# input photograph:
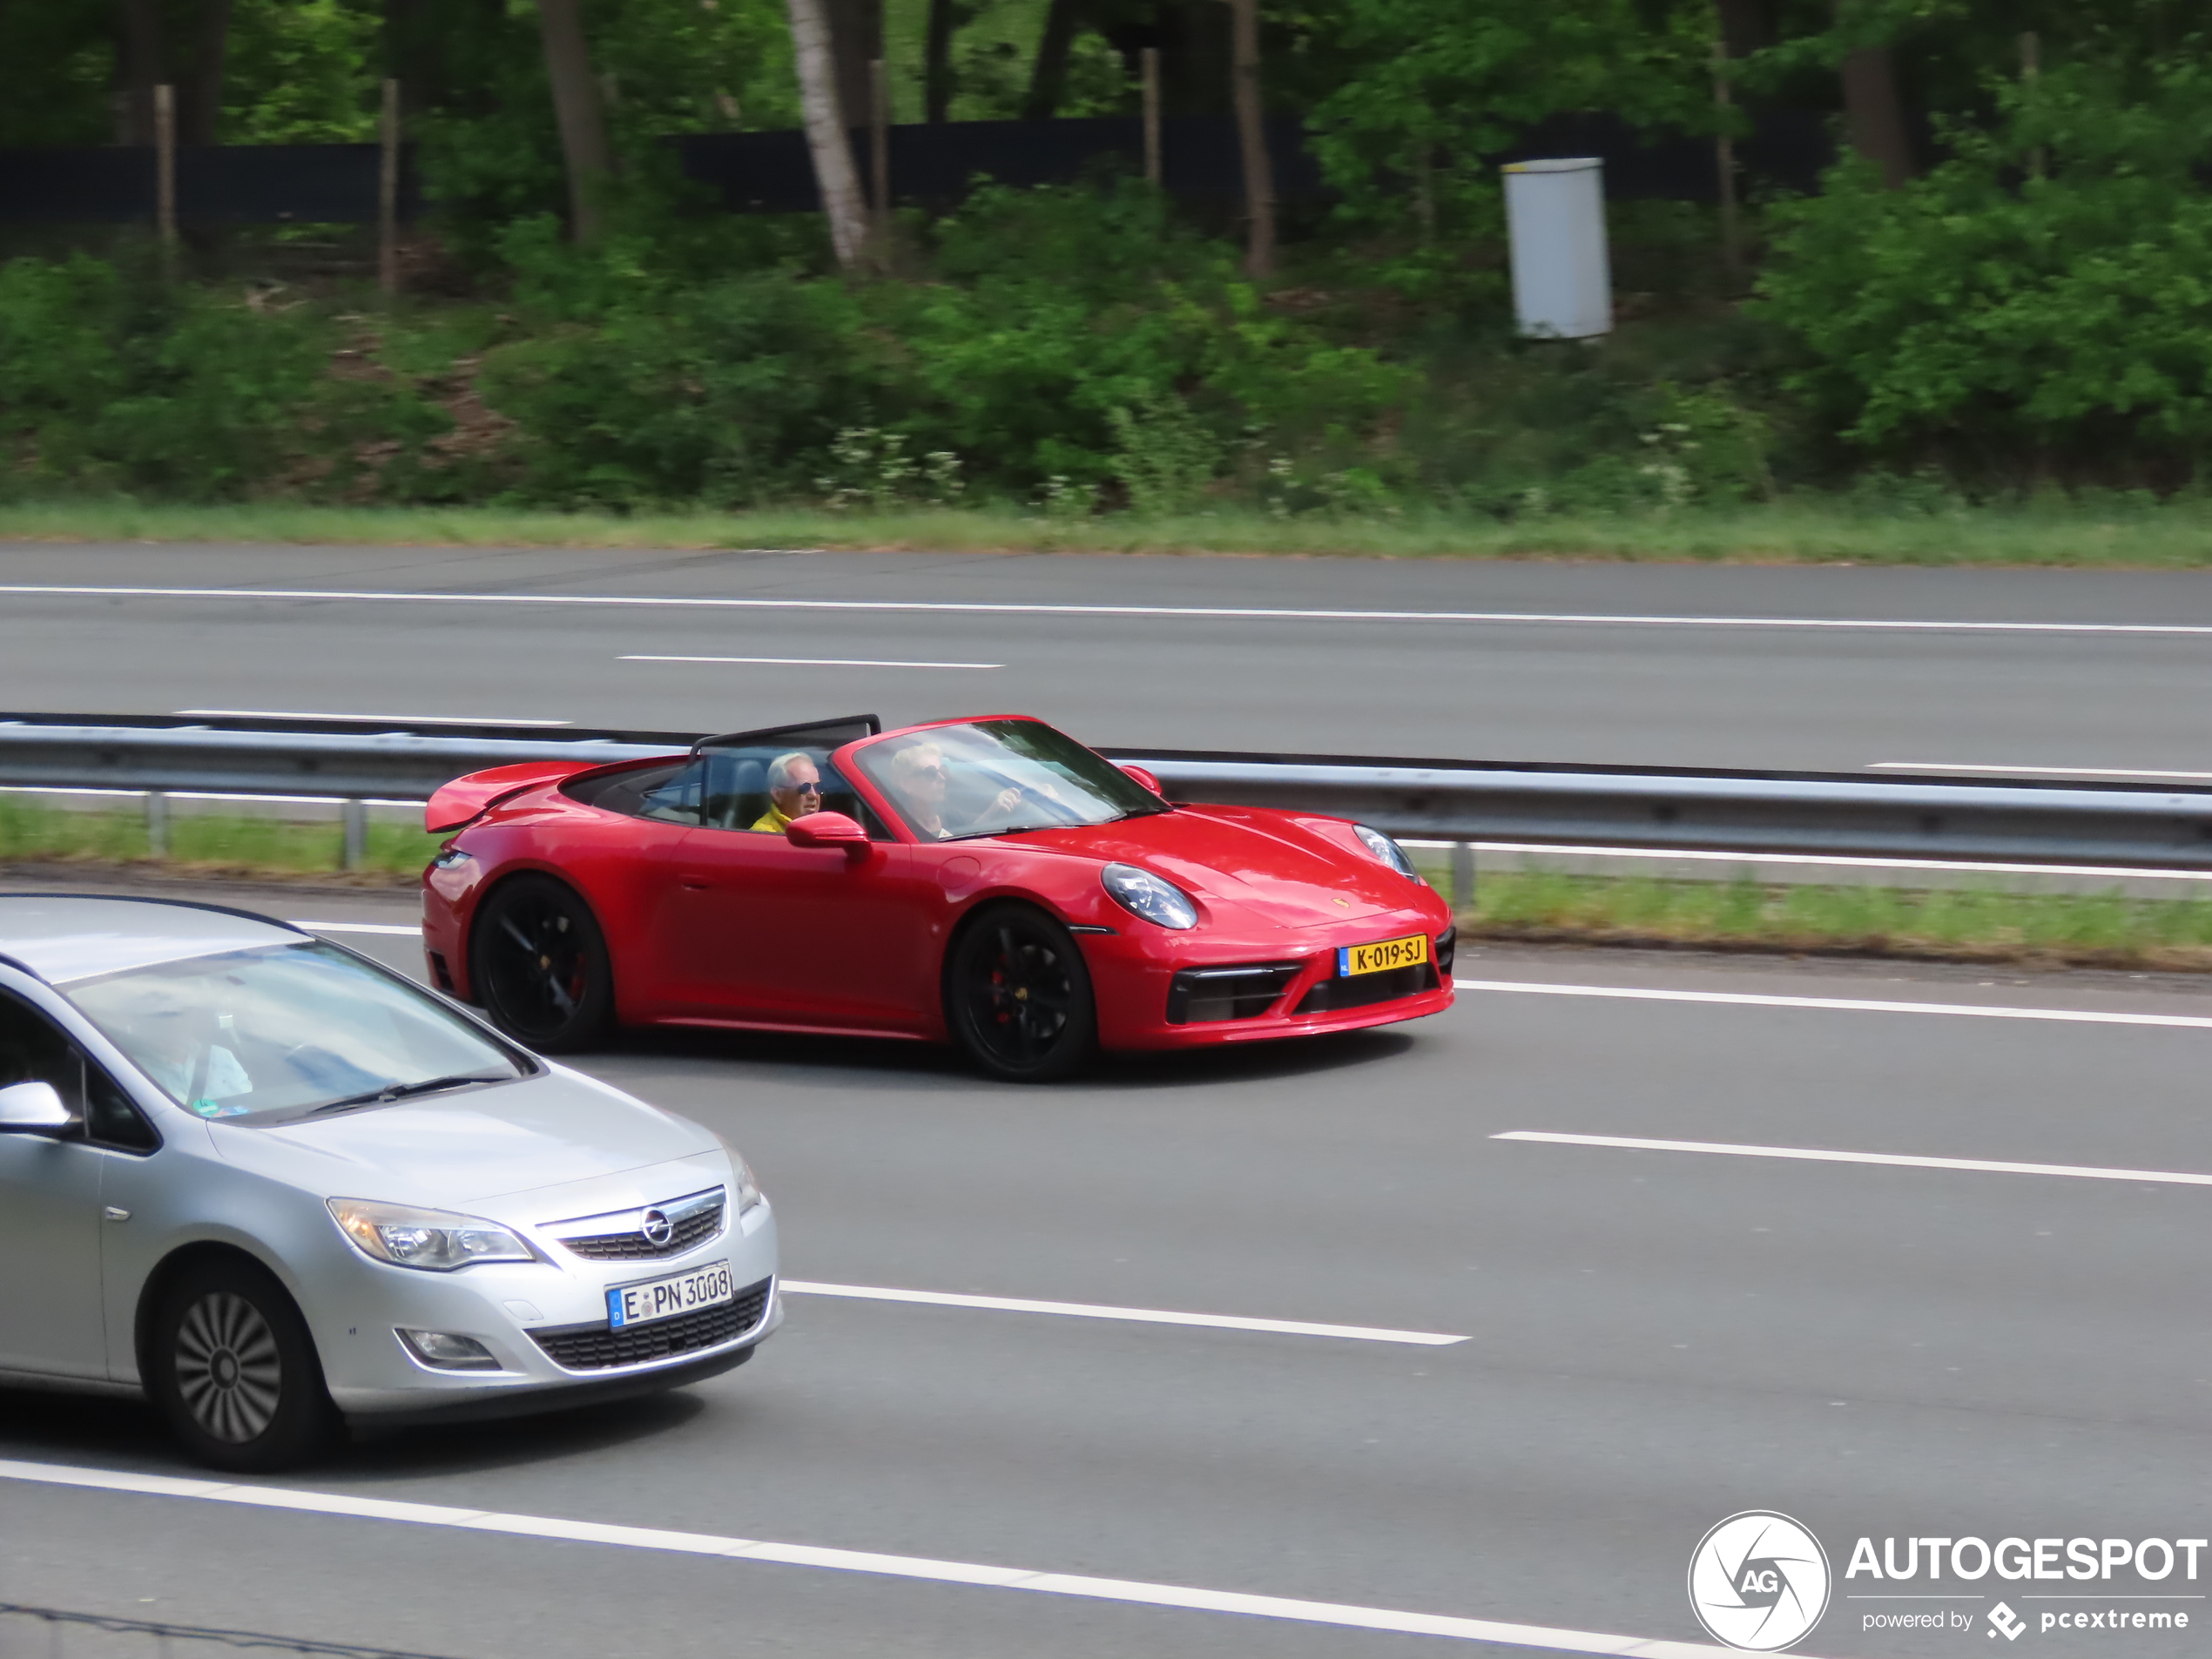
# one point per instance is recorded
(1387, 850)
(434, 1240)
(749, 1195)
(1154, 898)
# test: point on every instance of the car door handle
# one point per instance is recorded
(694, 883)
(113, 1214)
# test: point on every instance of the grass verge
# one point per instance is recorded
(1959, 925)
(1796, 529)
(207, 845)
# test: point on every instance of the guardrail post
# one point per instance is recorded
(354, 815)
(1462, 876)
(157, 824)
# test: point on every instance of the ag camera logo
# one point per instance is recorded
(1758, 1581)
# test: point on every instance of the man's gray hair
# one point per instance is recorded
(780, 768)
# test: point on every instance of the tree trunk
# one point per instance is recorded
(856, 41)
(1049, 73)
(204, 93)
(1874, 115)
(945, 17)
(827, 135)
(140, 67)
(1743, 27)
(583, 119)
(1251, 140)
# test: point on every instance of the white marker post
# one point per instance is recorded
(1562, 279)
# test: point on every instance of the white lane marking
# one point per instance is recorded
(1812, 1154)
(412, 930)
(854, 1560)
(1143, 1316)
(805, 662)
(1565, 850)
(395, 719)
(982, 608)
(1856, 1005)
(2031, 771)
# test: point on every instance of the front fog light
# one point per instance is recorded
(443, 1350)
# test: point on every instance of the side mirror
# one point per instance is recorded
(32, 1108)
(827, 829)
(1147, 779)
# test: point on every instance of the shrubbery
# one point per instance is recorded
(2044, 296)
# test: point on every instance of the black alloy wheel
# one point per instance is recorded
(232, 1368)
(1017, 995)
(539, 965)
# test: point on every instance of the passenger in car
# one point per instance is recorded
(794, 790)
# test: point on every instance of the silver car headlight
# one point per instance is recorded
(749, 1194)
(1154, 898)
(1387, 850)
(435, 1240)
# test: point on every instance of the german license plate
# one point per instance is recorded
(1410, 952)
(665, 1298)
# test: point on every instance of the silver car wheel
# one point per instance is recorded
(228, 1368)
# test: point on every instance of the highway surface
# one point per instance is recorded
(1831, 669)
(1653, 1340)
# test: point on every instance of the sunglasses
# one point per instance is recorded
(804, 789)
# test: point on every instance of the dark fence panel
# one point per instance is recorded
(265, 184)
(771, 172)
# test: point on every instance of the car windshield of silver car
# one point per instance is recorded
(275, 1033)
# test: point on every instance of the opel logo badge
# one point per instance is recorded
(657, 1228)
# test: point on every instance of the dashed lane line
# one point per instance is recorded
(1142, 1315)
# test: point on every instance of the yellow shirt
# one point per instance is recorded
(772, 820)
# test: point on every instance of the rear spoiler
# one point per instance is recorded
(465, 800)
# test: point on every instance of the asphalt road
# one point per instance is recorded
(1696, 666)
(1656, 1339)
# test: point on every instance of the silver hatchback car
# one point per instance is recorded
(272, 1185)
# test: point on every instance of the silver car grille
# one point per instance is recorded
(644, 1234)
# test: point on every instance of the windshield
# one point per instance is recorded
(992, 777)
(285, 1029)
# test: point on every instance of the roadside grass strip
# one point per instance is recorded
(850, 1561)
(1900, 1160)
(1142, 1315)
(1979, 923)
(1819, 527)
(1843, 1004)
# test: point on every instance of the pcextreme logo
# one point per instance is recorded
(1758, 1581)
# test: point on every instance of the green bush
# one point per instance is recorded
(1069, 335)
(2045, 295)
(110, 382)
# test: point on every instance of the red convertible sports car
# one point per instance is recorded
(990, 882)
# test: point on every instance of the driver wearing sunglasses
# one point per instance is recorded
(794, 790)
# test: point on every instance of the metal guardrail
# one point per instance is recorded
(1747, 812)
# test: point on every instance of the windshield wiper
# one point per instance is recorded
(402, 1091)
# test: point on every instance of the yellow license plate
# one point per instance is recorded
(1410, 952)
